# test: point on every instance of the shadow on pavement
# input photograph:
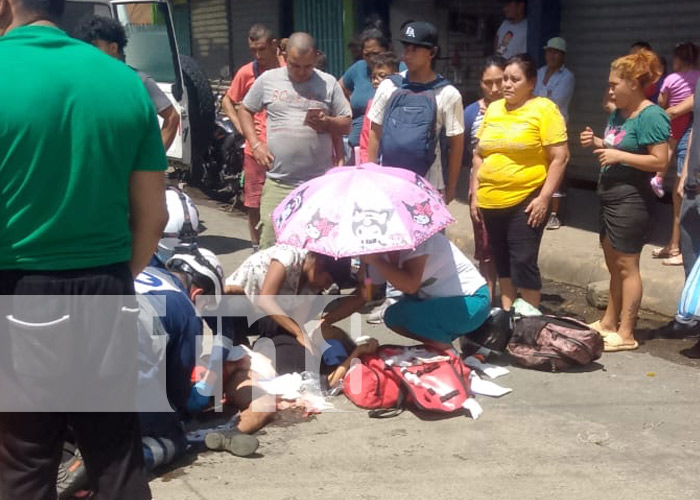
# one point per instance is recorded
(222, 245)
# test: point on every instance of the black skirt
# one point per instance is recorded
(625, 212)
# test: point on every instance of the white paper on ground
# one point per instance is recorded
(490, 370)
(486, 387)
(473, 407)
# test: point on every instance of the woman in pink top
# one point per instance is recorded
(677, 86)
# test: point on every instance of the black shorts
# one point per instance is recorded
(514, 244)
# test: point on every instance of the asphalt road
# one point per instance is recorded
(624, 428)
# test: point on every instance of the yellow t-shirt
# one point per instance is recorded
(512, 144)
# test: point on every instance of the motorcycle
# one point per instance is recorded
(223, 162)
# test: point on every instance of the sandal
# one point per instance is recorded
(596, 326)
(675, 260)
(614, 343)
(661, 253)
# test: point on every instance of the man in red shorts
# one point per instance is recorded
(263, 47)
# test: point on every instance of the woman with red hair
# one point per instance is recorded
(634, 147)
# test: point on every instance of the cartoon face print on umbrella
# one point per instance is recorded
(429, 189)
(319, 227)
(290, 208)
(370, 225)
(422, 213)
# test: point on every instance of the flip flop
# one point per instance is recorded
(614, 343)
(675, 260)
(662, 253)
(596, 326)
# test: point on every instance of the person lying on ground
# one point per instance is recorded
(285, 270)
(174, 288)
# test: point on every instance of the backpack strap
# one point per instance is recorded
(404, 83)
(391, 412)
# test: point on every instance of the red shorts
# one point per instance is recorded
(679, 126)
(254, 180)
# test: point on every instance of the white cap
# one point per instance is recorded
(557, 43)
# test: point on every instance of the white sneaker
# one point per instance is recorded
(376, 317)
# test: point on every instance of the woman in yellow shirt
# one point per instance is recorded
(517, 166)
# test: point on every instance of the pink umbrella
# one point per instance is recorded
(361, 210)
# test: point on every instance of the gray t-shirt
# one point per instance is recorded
(300, 152)
(160, 100)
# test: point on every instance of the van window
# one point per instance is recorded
(149, 48)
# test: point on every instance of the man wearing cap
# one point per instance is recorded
(511, 37)
(420, 50)
(555, 82)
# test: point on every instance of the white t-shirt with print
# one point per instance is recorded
(251, 274)
(448, 272)
(450, 115)
(512, 38)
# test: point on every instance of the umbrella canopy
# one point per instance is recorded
(361, 210)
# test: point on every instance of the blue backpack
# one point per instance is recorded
(409, 135)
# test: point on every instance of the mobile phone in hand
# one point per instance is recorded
(312, 113)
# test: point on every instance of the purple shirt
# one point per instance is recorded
(680, 86)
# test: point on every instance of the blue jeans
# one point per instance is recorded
(690, 236)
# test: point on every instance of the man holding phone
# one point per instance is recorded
(305, 107)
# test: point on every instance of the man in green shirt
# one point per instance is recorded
(82, 207)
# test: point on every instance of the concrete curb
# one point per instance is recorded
(573, 256)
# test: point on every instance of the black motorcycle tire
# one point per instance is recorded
(201, 112)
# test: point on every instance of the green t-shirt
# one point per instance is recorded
(74, 124)
(634, 135)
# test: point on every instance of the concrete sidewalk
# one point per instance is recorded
(573, 256)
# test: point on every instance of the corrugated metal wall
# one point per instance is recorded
(244, 14)
(598, 31)
(210, 35)
(324, 20)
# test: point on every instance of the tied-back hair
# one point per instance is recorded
(527, 65)
(493, 61)
(373, 33)
(643, 66)
(687, 53)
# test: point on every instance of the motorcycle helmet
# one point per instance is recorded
(204, 268)
(182, 226)
(494, 334)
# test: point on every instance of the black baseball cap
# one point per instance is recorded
(419, 33)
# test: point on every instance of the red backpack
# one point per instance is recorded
(427, 379)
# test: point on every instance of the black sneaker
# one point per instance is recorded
(678, 331)
(692, 352)
(72, 476)
(235, 442)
